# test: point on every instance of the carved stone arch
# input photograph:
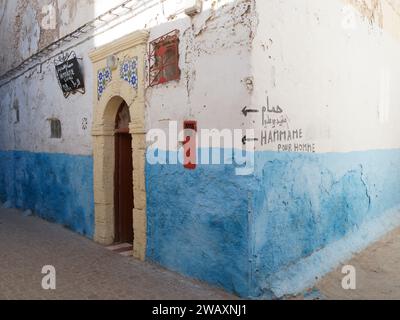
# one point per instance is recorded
(105, 109)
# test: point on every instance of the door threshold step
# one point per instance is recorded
(119, 246)
(124, 249)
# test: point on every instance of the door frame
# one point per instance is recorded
(105, 110)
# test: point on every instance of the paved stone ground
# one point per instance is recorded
(378, 274)
(85, 270)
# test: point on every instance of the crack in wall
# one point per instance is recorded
(366, 187)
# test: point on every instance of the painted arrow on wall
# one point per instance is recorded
(246, 111)
(245, 139)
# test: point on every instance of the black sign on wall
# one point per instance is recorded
(69, 74)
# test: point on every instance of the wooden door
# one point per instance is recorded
(123, 179)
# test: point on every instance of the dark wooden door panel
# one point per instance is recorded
(123, 188)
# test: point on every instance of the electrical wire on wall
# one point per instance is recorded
(104, 22)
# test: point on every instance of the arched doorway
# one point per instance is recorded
(123, 178)
(105, 114)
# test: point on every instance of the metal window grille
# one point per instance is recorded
(164, 59)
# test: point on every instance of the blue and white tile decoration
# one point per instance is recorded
(128, 72)
(104, 77)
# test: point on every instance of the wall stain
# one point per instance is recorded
(370, 9)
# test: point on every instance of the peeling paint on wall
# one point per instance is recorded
(234, 54)
(384, 14)
(370, 9)
(28, 31)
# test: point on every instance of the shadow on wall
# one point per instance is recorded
(56, 187)
(204, 237)
(45, 176)
(240, 233)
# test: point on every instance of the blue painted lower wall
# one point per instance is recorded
(198, 223)
(56, 187)
(239, 232)
(246, 234)
(306, 202)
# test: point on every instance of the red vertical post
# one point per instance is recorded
(190, 145)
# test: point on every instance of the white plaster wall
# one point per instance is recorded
(22, 30)
(332, 71)
(215, 56)
(39, 99)
(75, 13)
(7, 17)
(215, 52)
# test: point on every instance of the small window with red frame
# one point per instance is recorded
(164, 59)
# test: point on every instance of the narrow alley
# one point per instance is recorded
(200, 149)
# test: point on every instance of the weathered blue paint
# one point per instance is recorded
(305, 202)
(244, 233)
(198, 222)
(262, 235)
(56, 187)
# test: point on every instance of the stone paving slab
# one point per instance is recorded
(377, 273)
(85, 270)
